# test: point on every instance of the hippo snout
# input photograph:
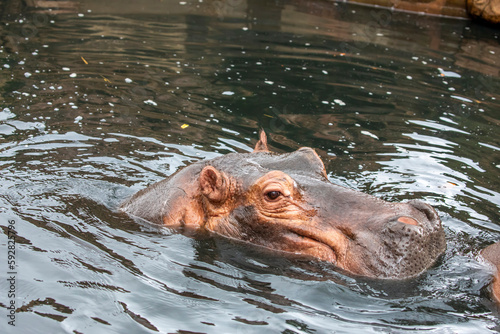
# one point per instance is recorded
(409, 243)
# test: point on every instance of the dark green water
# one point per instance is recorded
(94, 103)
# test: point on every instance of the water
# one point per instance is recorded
(99, 99)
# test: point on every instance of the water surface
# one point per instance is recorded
(99, 99)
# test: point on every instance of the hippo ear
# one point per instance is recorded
(261, 145)
(213, 184)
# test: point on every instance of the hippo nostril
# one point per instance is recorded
(408, 220)
(428, 210)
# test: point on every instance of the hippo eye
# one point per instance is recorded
(272, 195)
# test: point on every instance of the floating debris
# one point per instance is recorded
(105, 79)
(448, 74)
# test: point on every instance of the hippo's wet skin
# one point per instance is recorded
(285, 202)
(492, 255)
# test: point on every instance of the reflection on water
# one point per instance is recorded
(99, 99)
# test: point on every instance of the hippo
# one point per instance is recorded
(285, 202)
(492, 256)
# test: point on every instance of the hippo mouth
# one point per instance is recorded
(310, 246)
(409, 244)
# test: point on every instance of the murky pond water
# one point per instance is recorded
(100, 99)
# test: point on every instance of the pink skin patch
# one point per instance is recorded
(408, 220)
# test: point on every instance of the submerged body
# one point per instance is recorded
(285, 202)
(492, 255)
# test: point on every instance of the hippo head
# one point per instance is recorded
(285, 202)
